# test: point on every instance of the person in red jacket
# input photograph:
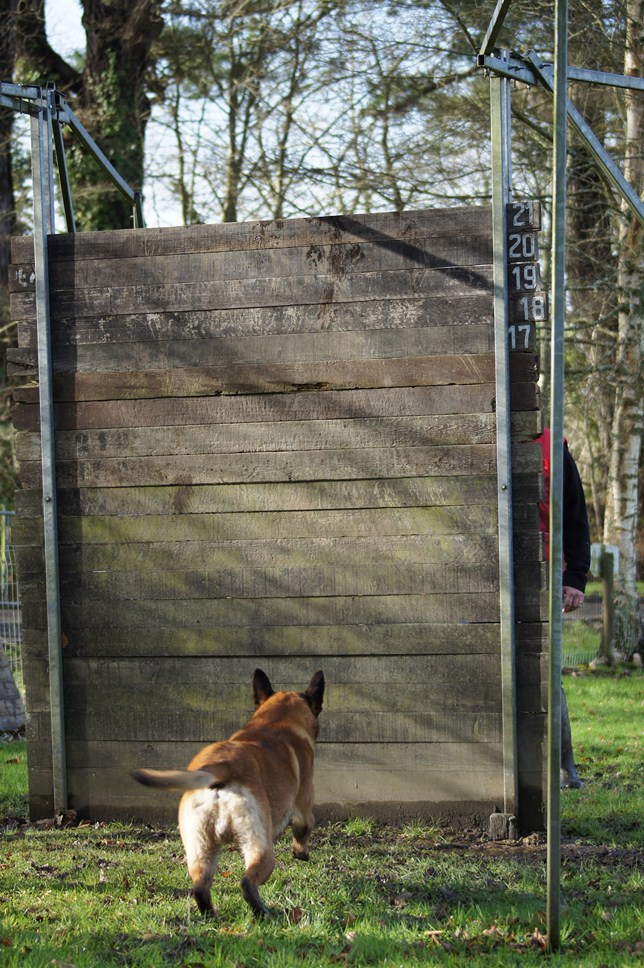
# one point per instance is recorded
(576, 564)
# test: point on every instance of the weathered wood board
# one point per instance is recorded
(276, 446)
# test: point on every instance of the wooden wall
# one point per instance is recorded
(276, 447)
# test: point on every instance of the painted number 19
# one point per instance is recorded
(524, 276)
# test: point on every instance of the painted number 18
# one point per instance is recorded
(533, 307)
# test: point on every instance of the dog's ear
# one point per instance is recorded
(315, 693)
(262, 689)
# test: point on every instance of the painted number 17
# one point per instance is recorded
(519, 336)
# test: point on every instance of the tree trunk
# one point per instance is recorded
(109, 97)
(113, 105)
(7, 229)
(7, 202)
(622, 500)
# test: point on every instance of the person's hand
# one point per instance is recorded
(572, 598)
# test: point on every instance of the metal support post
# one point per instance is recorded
(139, 221)
(494, 28)
(501, 197)
(42, 169)
(61, 161)
(556, 475)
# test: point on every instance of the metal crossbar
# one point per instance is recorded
(32, 100)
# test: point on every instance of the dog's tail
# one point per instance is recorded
(184, 780)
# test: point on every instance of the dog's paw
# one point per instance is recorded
(570, 781)
(251, 896)
(573, 784)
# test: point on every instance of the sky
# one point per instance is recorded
(63, 23)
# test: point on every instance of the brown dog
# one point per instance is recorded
(246, 790)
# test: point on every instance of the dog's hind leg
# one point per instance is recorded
(201, 867)
(202, 875)
(259, 867)
(202, 851)
(302, 823)
(301, 832)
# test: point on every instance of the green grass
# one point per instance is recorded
(13, 776)
(373, 894)
(606, 718)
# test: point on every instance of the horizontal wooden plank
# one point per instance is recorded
(323, 610)
(366, 610)
(339, 229)
(218, 686)
(283, 525)
(284, 640)
(224, 682)
(199, 556)
(87, 588)
(265, 350)
(251, 292)
(101, 796)
(346, 464)
(296, 495)
(253, 408)
(277, 612)
(224, 527)
(91, 725)
(434, 311)
(93, 722)
(302, 261)
(296, 582)
(355, 433)
(127, 756)
(162, 813)
(278, 377)
(372, 578)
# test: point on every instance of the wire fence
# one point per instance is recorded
(582, 632)
(10, 617)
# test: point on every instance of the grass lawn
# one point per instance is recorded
(372, 894)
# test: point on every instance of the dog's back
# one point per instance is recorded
(248, 788)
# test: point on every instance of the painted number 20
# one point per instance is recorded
(522, 245)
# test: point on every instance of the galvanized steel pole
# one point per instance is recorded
(42, 168)
(556, 475)
(501, 197)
